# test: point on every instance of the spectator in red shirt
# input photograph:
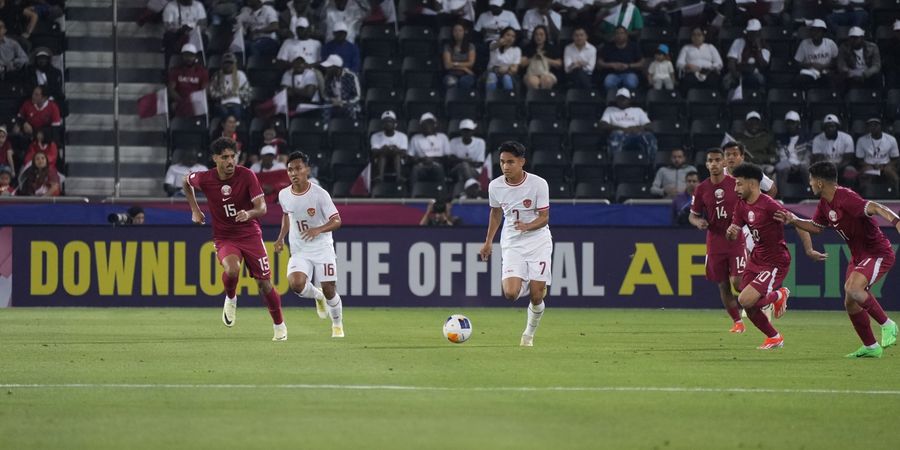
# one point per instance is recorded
(37, 113)
(228, 128)
(6, 187)
(39, 179)
(41, 145)
(185, 79)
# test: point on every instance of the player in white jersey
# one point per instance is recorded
(522, 201)
(310, 215)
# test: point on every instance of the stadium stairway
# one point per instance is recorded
(90, 135)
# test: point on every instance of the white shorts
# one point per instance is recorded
(318, 268)
(529, 265)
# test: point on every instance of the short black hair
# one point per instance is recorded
(692, 173)
(298, 155)
(135, 210)
(731, 144)
(221, 144)
(824, 170)
(715, 150)
(516, 148)
(748, 171)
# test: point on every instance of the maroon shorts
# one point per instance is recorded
(720, 267)
(765, 280)
(250, 249)
(873, 268)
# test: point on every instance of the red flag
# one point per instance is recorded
(363, 184)
(153, 104)
(274, 181)
(275, 105)
(487, 173)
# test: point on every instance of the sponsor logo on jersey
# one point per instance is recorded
(750, 216)
(311, 211)
(527, 202)
(226, 190)
(833, 215)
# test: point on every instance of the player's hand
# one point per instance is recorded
(816, 256)
(242, 216)
(279, 245)
(702, 224)
(310, 234)
(732, 232)
(486, 250)
(521, 226)
(198, 217)
(785, 217)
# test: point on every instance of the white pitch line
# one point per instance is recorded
(388, 387)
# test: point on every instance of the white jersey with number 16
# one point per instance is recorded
(313, 208)
(521, 203)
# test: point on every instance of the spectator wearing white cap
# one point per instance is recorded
(504, 63)
(794, 151)
(890, 57)
(348, 12)
(180, 18)
(859, 61)
(340, 89)
(817, 56)
(341, 46)
(459, 59)
(467, 152)
(471, 190)
(847, 13)
(759, 142)
(229, 89)
(302, 83)
(300, 43)
(389, 144)
(748, 59)
(491, 22)
(542, 14)
(627, 126)
(878, 155)
(835, 146)
(185, 79)
(429, 148)
(267, 162)
(260, 22)
(580, 60)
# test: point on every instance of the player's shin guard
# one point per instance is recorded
(758, 317)
(273, 302)
(874, 309)
(335, 310)
(863, 327)
(230, 285)
(535, 312)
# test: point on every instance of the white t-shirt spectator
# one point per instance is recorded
(228, 81)
(705, 57)
(487, 20)
(300, 80)
(257, 20)
(533, 18)
(877, 151)
(433, 146)
(176, 15)
(276, 165)
(352, 16)
(472, 152)
(309, 49)
(737, 49)
(468, 10)
(833, 149)
(625, 118)
(573, 54)
(512, 55)
(810, 53)
(572, 4)
(176, 173)
(379, 140)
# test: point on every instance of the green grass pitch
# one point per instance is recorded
(177, 378)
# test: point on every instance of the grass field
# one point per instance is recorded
(177, 378)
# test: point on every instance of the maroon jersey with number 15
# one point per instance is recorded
(226, 197)
(717, 202)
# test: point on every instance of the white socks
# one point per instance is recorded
(335, 309)
(232, 301)
(535, 312)
(309, 291)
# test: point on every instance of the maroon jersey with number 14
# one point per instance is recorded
(226, 197)
(716, 202)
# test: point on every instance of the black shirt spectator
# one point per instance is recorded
(622, 60)
(42, 73)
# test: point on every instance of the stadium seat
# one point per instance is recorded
(780, 101)
(559, 189)
(705, 104)
(346, 165)
(858, 128)
(590, 166)
(863, 104)
(782, 72)
(462, 104)
(879, 191)
(665, 105)
(341, 189)
(309, 136)
(500, 104)
(546, 136)
(419, 72)
(379, 100)
(779, 41)
(631, 167)
(386, 189)
(345, 134)
(594, 190)
(726, 36)
(420, 101)
(820, 102)
(670, 134)
(707, 133)
(500, 130)
(884, 12)
(258, 125)
(261, 71)
(628, 191)
(892, 104)
(550, 164)
(795, 192)
(378, 40)
(751, 101)
(428, 189)
(584, 103)
(418, 41)
(188, 133)
(544, 104)
(651, 37)
(380, 71)
(663, 158)
(585, 135)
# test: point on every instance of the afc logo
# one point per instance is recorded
(832, 215)
(311, 211)
(751, 217)
(226, 190)
(720, 194)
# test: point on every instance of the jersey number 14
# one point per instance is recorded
(721, 213)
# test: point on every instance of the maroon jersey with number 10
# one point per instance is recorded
(226, 197)
(767, 233)
(717, 202)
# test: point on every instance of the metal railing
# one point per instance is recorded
(115, 55)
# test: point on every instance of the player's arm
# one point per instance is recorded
(285, 228)
(196, 215)
(873, 208)
(543, 218)
(333, 224)
(788, 218)
(697, 221)
(494, 219)
(259, 210)
(813, 254)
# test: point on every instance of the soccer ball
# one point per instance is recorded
(457, 329)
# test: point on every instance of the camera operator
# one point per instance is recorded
(134, 216)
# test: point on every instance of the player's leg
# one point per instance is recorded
(729, 301)
(749, 299)
(718, 268)
(514, 288)
(874, 270)
(231, 259)
(856, 293)
(540, 277)
(273, 302)
(257, 261)
(300, 276)
(326, 274)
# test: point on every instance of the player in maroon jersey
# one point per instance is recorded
(769, 261)
(713, 203)
(235, 201)
(872, 255)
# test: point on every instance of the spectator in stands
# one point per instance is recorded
(350, 13)
(389, 144)
(879, 155)
(496, 19)
(660, 72)
(503, 66)
(137, 215)
(859, 61)
(7, 154)
(467, 152)
(671, 180)
(267, 162)
(472, 190)
(186, 164)
(15, 16)
(625, 15)
(41, 144)
(228, 128)
(459, 59)
(39, 179)
(180, 18)
(42, 73)
(301, 8)
(301, 43)
(423, 13)
(456, 11)
(260, 22)
(660, 13)
(541, 14)
(681, 203)
(47, 12)
(622, 62)
(627, 126)
(580, 59)
(699, 63)
(794, 150)
(748, 59)
(835, 146)
(890, 53)
(223, 11)
(188, 77)
(429, 149)
(12, 57)
(230, 89)
(340, 46)
(302, 83)
(759, 142)
(847, 13)
(37, 113)
(341, 89)
(6, 187)
(541, 59)
(438, 215)
(272, 139)
(817, 56)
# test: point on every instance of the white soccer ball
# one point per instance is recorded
(457, 329)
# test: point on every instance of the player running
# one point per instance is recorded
(715, 198)
(872, 256)
(769, 261)
(310, 215)
(235, 201)
(523, 200)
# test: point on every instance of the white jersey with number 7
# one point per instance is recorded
(521, 203)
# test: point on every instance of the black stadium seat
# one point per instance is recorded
(501, 104)
(420, 101)
(379, 100)
(462, 104)
(584, 103)
(420, 72)
(585, 135)
(546, 135)
(418, 41)
(380, 71)
(628, 191)
(378, 40)
(544, 104)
